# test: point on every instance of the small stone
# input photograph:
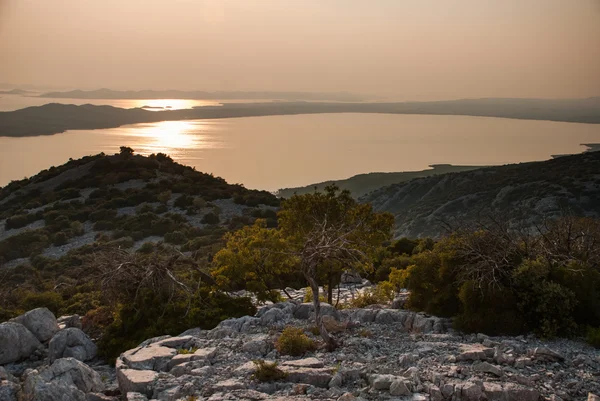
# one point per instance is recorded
(488, 368)
(336, 381)
(399, 387)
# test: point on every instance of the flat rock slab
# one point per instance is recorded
(475, 352)
(509, 392)
(318, 377)
(136, 381)
(153, 357)
(304, 363)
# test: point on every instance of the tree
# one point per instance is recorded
(126, 151)
(316, 233)
(255, 258)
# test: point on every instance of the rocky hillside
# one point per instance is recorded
(519, 194)
(384, 354)
(361, 184)
(52, 221)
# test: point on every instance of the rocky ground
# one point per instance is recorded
(383, 354)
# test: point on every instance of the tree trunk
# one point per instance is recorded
(329, 341)
(330, 288)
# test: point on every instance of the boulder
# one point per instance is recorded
(469, 391)
(272, 316)
(71, 342)
(8, 390)
(486, 367)
(593, 397)
(509, 392)
(16, 342)
(258, 345)
(400, 387)
(318, 377)
(67, 379)
(65, 322)
(152, 357)
(41, 322)
(546, 354)
(205, 355)
(307, 310)
(137, 381)
(351, 277)
(475, 352)
(332, 325)
(382, 382)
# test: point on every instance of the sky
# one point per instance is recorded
(394, 49)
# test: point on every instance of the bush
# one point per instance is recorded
(60, 238)
(267, 371)
(294, 342)
(593, 336)
(176, 237)
(49, 299)
(210, 218)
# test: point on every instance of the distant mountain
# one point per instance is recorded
(361, 184)
(55, 118)
(525, 193)
(178, 94)
(16, 92)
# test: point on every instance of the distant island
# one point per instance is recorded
(202, 95)
(362, 184)
(55, 118)
(15, 92)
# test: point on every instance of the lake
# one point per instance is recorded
(286, 151)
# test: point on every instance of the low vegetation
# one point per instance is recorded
(267, 371)
(294, 342)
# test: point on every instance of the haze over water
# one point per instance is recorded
(286, 151)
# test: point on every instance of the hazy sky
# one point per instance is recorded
(406, 49)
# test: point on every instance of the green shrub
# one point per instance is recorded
(176, 237)
(294, 342)
(267, 371)
(593, 336)
(186, 351)
(210, 218)
(60, 238)
(49, 299)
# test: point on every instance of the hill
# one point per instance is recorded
(362, 184)
(518, 194)
(52, 221)
(56, 118)
(178, 94)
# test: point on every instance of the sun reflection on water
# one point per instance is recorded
(171, 104)
(175, 138)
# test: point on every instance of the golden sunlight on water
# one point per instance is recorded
(174, 138)
(171, 104)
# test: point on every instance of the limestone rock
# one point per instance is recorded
(593, 397)
(488, 368)
(546, 354)
(8, 390)
(152, 357)
(67, 379)
(351, 277)
(318, 377)
(307, 310)
(475, 352)
(16, 342)
(399, 387)
(332, 325)
(258, 345)
(509, 392)
(41, 322)
(304, 363)
(381, 382)
(65, 322)
(71, 342)
(137, 381)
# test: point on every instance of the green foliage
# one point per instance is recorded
(593, 336)
(186, 351)
(49, 299)
(267, 371)
(210, 218)
(294, 342)
(501, 282)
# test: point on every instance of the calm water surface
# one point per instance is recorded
(285, 151)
